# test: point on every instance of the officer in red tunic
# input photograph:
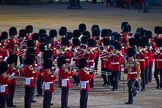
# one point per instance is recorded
(30, 75)
(158, 66)
(84, 78)
(12, 72)
(4, 81)
(116, 60)
(48, 82)
(64, 76)
(132, 68)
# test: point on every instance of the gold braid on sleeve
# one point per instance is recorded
(138, 69)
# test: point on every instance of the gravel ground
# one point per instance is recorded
(54, 16)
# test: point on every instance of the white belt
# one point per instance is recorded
(0, 56)
(140, 59)
(114, 63)
(90, 60)
(67, 59)
(29, 78)
(105, 59)
(49, 82)
(76, 58)
(158, 59)
(66, 79)
(131, 73)
(4, 85)
(84, 81)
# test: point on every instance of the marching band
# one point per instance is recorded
(76, 54)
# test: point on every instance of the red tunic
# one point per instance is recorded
(158, 61)
(140, 57)
(133, 74)
(13, 73)
(4, 85)
(84, 80)
(64, 77)
(30, 75)
(90, 57)
(115, 63)
(48, 85)
(68, 55)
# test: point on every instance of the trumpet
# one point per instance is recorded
(92, 71)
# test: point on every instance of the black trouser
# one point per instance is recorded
(96, 63)
(150, 72)
(64, 97)
(105, 76)
(76, 79)
(143, 79)
(83, 98)
(47, 100)
(2, 100)
(39, 85)
(130, 90)
(10, 97)
(146, 74)
(28, 97)
(158, 71)
(115, 80)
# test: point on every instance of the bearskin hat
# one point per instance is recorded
(76, 42)
(22, 33)
(158, 42)
(95, 26)
(60, 61)
(4, 35)
(76, 33)
(117, 45)
(158, 29)
(29, 29)
(12, 59)
(3, 67)
(29, 60)
(42, 32)
(84, 40)
(149, 34)
(30, 43)
(123, 24)
(132, 41)
(87, 34)
(91, 43)
(116, 37)
(139, 30)
(105, 41)
(65, 41)
(53, 33)
(69, 35)
(146, 40)
(96, 32)
(82, 63)
(140, 43)
(127, 28)
(12, 31)
(131, 52)
(42, 47)
(47, 55)
(82, 27)
(47, 64)
(106, 32)
(35, 36)
(30, 51)
(62, 31)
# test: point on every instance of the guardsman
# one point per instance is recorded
(12, 72)
(132, 68)
(90, 57)
(105, 61)
(158, 62)
(29, 31)
(3, 39)
(48, 82)
(84, 78)
(116, 60)
(140, 57)
(64, 76)
(29, 83)
(4, 82)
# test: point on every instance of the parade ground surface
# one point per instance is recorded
(53, 16)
